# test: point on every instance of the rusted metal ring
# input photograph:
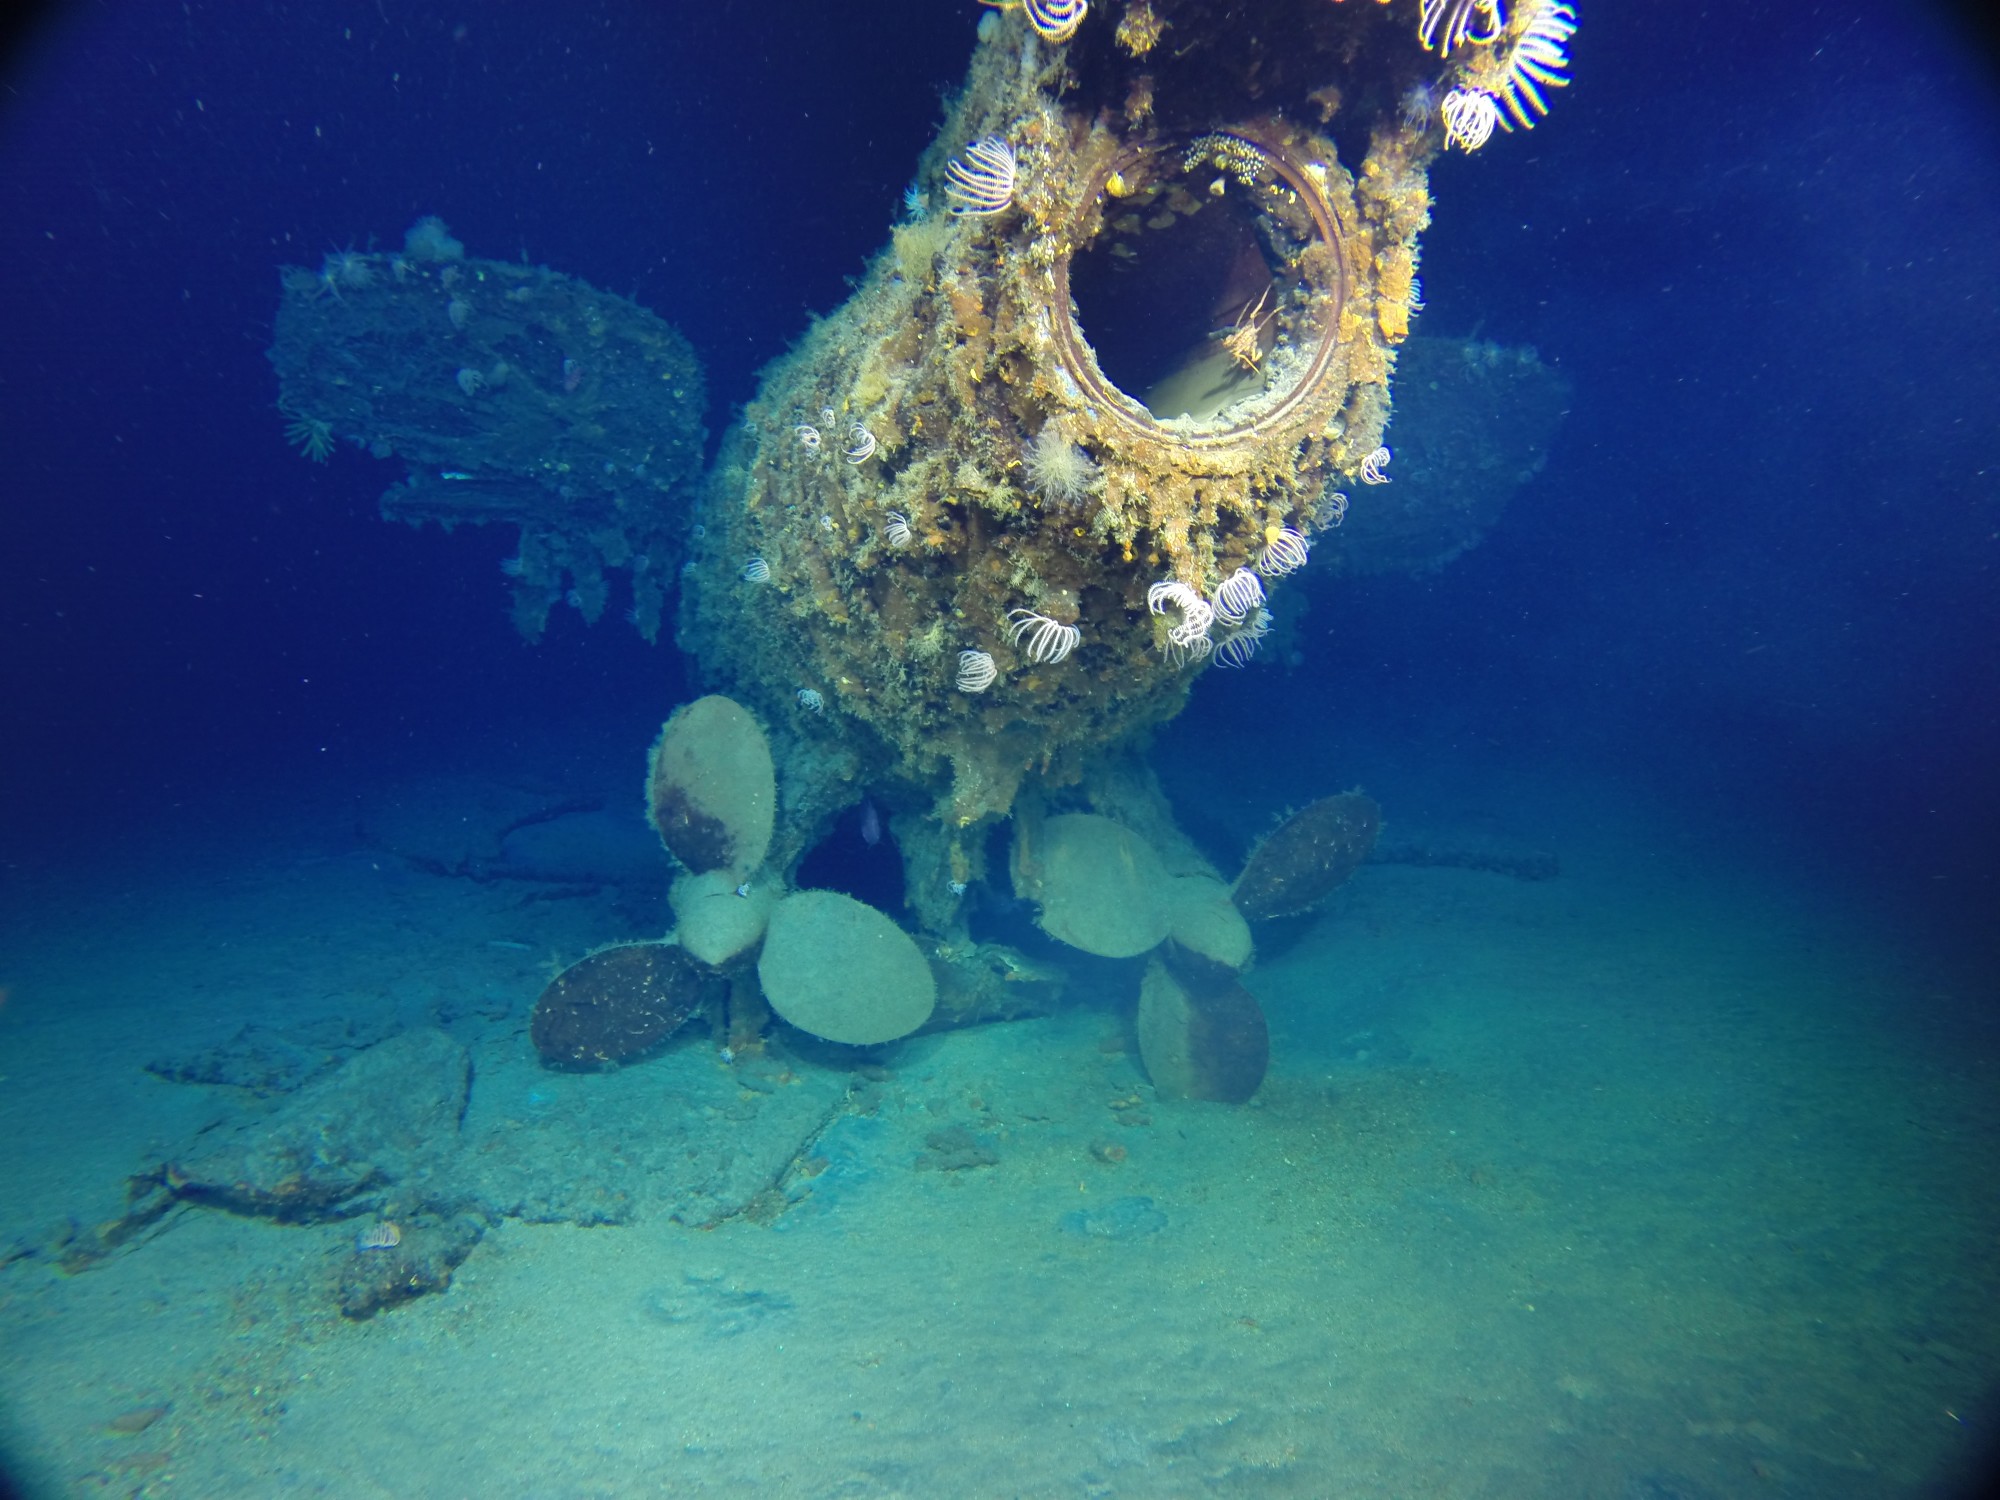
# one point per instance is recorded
(1080, 360)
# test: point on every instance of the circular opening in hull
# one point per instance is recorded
(1209, 297)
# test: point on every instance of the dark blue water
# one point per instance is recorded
(1759, 578)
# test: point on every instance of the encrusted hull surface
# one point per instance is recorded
(1139, 327)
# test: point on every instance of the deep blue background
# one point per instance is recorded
(1759, 572)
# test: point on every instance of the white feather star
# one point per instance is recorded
(976, 671)
(1469, 117)
(987, 185)
(1047, 640)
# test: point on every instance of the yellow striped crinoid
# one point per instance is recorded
(1538, 59)
(1443, 24)
(1053, 20)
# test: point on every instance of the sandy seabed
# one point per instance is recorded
(1666, 1179)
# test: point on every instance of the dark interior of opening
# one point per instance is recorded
(993, 913)
(1168, 278)
(848, 860)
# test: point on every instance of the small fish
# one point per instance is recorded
(382, 1236)
(508, 943)
(871, 824)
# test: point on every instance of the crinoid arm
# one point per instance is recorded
(312, 437)
(982, 183)
(1538, 59)
(1444, 24)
